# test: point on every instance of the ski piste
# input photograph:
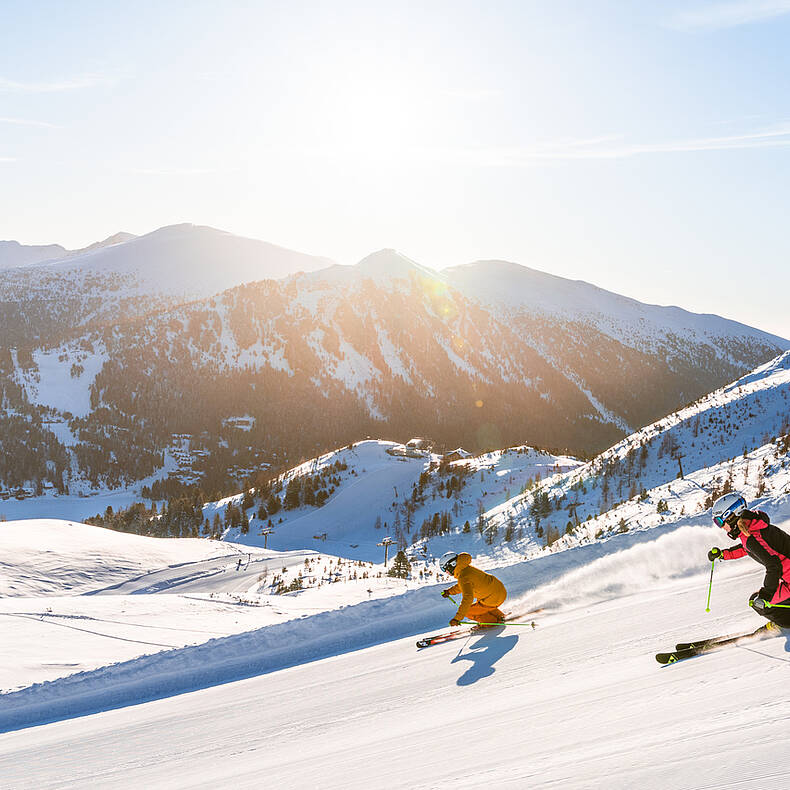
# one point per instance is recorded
(690, 649)
(476, 629)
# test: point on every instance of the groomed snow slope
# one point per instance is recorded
(578, 702)
(40, 557)
(75, 598)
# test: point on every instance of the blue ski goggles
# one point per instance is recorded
(727, 521)
(730, 523)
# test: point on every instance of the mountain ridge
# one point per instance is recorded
(14, 255)
(321, 356)
(527, 289)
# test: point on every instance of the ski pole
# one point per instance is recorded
(710, 586)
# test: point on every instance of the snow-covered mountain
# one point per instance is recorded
(525, 292)
(520, 501)
(482, 356)
(189, 262)
(737, 437)
(508, 504)
(124, 277)
(371, 493)
(110, 241)
(397, 348)
(15, 255)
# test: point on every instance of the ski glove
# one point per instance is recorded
(714, 554)
(758, 603)
(445, 593)
(455, 622)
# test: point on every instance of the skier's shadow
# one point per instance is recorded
(483, 654)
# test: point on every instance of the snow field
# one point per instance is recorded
(94, 597)
(48, 556)
(48, 638)
(52, 383)
(577, 703)
(283, 631)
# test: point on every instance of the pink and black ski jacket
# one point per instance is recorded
(770, 547)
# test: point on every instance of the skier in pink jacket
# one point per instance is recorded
(763, 542)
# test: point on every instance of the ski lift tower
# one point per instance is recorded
(387, 542)
(266, 532)
(678, 456)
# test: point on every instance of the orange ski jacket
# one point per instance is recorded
(474, 583)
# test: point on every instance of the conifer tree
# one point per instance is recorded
(401, 567)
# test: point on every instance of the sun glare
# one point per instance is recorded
(374, 117)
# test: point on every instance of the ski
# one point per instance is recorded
(437, 639)
(478, 629)
(708, 641)
(707, 645)
(715, 640)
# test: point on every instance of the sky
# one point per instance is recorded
(640, 146)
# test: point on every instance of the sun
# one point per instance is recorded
(374, 117)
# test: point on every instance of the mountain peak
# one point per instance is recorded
(389, 263)
(190, 261)
(116, 238)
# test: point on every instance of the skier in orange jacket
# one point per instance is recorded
(473, 584)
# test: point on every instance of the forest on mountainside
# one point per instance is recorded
(314, 366)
